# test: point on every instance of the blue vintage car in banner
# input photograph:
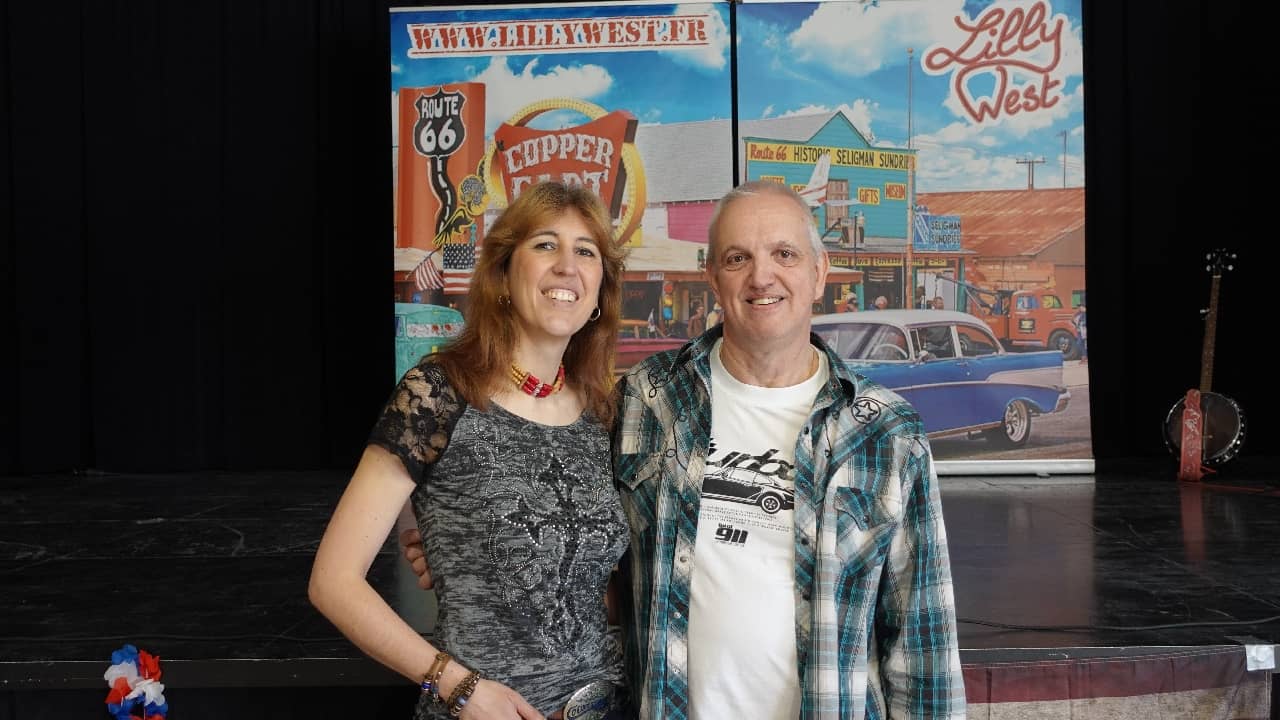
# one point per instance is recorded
(952, 369)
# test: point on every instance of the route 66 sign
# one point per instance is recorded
(439, 130)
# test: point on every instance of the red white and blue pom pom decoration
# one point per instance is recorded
(134, 679)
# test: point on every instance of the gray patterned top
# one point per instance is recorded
(521, 525)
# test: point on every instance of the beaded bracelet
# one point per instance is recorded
(431, 681)
(462, 693)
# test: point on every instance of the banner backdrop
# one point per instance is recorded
(940, 145)
(632, 100)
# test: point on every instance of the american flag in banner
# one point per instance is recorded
(459, 262)
(426, 276)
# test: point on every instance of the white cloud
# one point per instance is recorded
(952, 167)
(855, 40)
(807, 110)
(712, 56)
(508, 91)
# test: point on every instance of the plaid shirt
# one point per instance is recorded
(875, 614)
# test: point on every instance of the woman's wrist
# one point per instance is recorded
(453, 674)
(462, 692)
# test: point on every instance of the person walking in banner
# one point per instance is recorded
(1082, 332)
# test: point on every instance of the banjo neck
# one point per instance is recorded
(1210, 331)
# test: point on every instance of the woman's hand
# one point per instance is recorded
(495, 701)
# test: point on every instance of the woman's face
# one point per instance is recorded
(554, 279)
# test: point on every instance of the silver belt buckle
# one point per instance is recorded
(590, 702)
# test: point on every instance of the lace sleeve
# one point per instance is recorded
(417, 421)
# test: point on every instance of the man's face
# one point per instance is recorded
(765, 273)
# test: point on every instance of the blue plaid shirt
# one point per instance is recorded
(875, 613)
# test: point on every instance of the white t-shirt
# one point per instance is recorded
(742, 639)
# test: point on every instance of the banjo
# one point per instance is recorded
(1206, 428)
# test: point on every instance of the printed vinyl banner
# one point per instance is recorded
(939, 144)
(633, 100)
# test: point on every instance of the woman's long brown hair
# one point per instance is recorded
(478, 360)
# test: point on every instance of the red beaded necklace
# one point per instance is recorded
(531, 385)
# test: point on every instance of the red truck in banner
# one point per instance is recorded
(1027, 319)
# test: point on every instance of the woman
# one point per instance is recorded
(501, 441)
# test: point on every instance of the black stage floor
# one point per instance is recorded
(209, 571)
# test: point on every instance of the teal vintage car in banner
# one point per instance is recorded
(422, 329)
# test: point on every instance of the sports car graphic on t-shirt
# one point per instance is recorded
(752, 487)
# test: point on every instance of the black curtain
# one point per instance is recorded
(200, 205)
(197, 210)
(1176, 135)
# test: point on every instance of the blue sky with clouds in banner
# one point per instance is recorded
(798, 58)
(802, 58)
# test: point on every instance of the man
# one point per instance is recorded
(881, 302)
(1079, 320)
(788, 555)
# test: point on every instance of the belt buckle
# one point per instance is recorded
(590, 702)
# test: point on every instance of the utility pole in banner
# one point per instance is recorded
(908, 268)
(1031, 163)
(1064, 157)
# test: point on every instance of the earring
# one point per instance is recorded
(595, 314)
(504, 300)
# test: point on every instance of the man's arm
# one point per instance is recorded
(916, 629)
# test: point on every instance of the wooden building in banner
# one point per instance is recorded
(1020, 239)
